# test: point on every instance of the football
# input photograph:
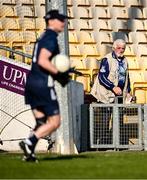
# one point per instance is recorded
(61, 62)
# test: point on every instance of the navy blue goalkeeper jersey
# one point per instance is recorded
(39, 89)
(47, 40)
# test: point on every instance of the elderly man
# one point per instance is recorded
(112, 81)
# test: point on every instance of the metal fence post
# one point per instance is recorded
(115, 126)
(145, 127)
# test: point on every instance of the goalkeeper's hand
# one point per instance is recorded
(62, 78)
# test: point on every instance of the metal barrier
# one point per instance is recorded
(116, 126)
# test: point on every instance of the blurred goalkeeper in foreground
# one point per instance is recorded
(40, 92)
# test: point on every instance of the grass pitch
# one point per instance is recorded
(86, 165)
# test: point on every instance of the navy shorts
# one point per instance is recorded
(43, 99)
(49, 109)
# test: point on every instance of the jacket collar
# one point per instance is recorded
(115, 57)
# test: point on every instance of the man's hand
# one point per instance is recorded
(117, 91)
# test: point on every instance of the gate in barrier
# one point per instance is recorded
(116, 126)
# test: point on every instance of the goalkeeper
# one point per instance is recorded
(40, 93)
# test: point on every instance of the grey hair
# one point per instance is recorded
(118, 42)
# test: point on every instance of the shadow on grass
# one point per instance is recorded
(3, 151)
(64, 157)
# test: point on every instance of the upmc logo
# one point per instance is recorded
(12, 77)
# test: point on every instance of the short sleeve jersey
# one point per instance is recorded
(47, 40)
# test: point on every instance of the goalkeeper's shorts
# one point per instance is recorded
(43, 99)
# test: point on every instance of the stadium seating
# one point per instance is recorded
(93, 26)
(100, 13)
(83, 3)
(80, 24)
(116, 3)
(135, 25)
(7, 11)
(10, 24)
(118, 25)
(24, 2)
(119, 13)
(27, 24)
(100, 3)
(101, 25)
(133, 3)
(24, 11)
(82, 12)
(85, 37)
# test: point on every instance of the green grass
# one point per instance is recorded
(86, 165)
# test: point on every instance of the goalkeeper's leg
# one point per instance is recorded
(44, 129)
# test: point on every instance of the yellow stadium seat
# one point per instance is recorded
(1, 27)
(143, 62)
(129, 51)
(4, 53)
(135, 25)
(24, 2)
(27, 23)
(13, 36)
(118, 25)
(81, 24)
(24, 11)
(133, 3)
(145, 13)
(7, 11)
(70, 12)
(138, 37)
(77, 63)
(40, 11)
(18, 57)
(80, 2)
(100, 25)
(145, 75)
(85, 37)
(28, 48)
(82, 12)
(73, 37)
(136, 76)
(119, 13)
(70, 25)
(104, 49)
(39, 3)
(10, 24)
(145, 25)
(140, 91)
(74, 51)
(140, 50)
(40, 24)
(85, 80)
(116, 3)
(135, 13)
(133, 63)
(100, 13)
(91, 63)
(89, 51)
(100, 3)
(103, 37)
(29, 36)
(69, 3)
(2, 38)
(8, 2)
(120, 35)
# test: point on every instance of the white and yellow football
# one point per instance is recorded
(61, 62)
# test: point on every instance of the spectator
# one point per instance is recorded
(112, 81)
